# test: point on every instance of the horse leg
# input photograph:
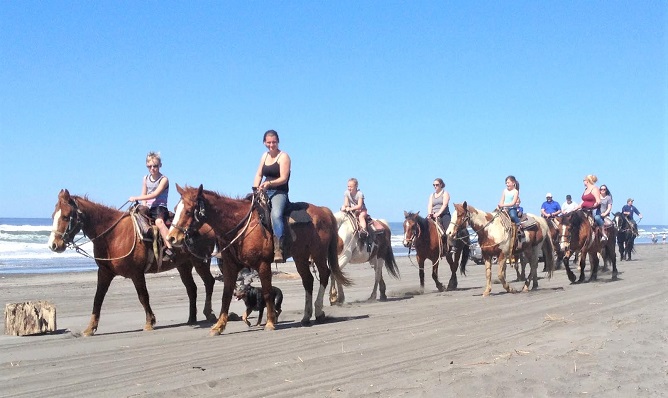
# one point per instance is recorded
(502, 274)
(264, 272)
(434, 275)
(569, 272)
(185, 272)
(140, 286)
(307, 282)
(452, 283)
(613, 259)
(324, 272)
(104, 278)
(583, 259)
(594, 262)
(421, 273)
(333, 295)
(488, 277)
(230, 273)
(204, 271)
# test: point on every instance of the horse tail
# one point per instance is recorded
(388, 256)
(333, 255)
(548, 254)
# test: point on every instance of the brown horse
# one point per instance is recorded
(422, 234)
(497, 239)
(376, 250)
(245, 242)
(579, 236)
(118, 250)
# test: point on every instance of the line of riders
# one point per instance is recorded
(273, 175)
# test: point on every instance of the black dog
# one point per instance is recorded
(254, 300)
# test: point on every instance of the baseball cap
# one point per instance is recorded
(548, 195)
(629, 200)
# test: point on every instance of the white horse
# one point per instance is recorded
(377, 250)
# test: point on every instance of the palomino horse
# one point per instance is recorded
(496, 238)
(358, 251)
(578, 235)
(626, 236)
(422, 234)
(118, 250)
(245, 242)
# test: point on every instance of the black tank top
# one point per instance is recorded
(272, 172)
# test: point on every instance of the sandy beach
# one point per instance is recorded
(601, 339)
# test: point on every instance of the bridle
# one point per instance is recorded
(200, 217)
(416, 232)
(74, 224)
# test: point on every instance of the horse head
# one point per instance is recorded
(189, 214)
(67, 222)
(412, 228)
(460, 219)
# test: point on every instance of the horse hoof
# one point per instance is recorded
(306, 322)
(212, 318)
(148, 328)
(383, 298)
(88, 333)
(320, 318)
(269, 327)
(485, 294)
(215, 332)
(191, 321)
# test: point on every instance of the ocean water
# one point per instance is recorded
(23, 246)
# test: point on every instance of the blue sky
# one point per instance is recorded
(393, 93)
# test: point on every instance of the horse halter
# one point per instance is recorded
(416, 232)
(74, 224)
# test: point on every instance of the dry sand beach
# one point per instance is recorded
(601, 339)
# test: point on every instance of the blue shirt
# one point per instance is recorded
(631, 209)
(551, 207)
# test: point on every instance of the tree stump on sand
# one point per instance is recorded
(33, 317)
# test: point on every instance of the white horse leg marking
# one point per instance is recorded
(318, 302)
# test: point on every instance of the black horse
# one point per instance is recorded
(626, 235)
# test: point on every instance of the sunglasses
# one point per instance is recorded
(437, 185)
(152, 166)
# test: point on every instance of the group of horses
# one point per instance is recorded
(320, 241)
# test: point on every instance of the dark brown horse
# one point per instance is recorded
(118, 250)
(626, 236)
(245, 242)
(497, 239)
(422, 234)
(579, 236)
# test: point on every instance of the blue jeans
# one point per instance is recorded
(512, 212)
(597, 217)
(279, 200)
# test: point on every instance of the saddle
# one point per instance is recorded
(374, 228)
(147, 230)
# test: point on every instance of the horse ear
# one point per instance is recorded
(405, 214)
(200, 189)
(417, 214)
(179, 189)
(464, 205)
(64, 194)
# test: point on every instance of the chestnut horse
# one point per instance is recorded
(354, 250)
(245, 242)
(496, 238)
(118, 250)
(579, 236)
(422, 234)
(626, 236)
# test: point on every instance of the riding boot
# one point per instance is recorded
(520, 235)
(604, 236)
(278, 250)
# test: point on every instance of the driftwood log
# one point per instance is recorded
(32, 317)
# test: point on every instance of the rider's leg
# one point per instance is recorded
(278, 202)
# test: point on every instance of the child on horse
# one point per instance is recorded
(510, 199)
(154, 193)
(353, 201)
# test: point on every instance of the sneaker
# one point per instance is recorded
(604, 238)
